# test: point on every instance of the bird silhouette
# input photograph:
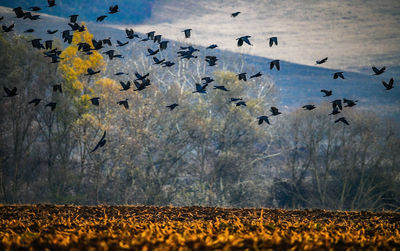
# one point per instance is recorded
(389, 85)
(157, 38)
(8, 28)
(19, 12)
(150, 35)
(57, 88)
(327, 93)
(187, 33)
(235, 99)
(262, 119)
(157, 61)
(235, 14)
(201, 88)
(241, 103)
(338, 74)
(242, 76)
(211, 60)
(151, 52)
(130, 34)
(220, 87)
(107, 41)
(113, 9)
(121, 44)
(51, 3)
(335, 111)
(73, 18)
(141, 77)
(243, 39)
(337, 103)
(168, 64)
(378, 71)
(29, 31)
(95, 101)
(207, 80)
(321, 61)
(126, 86)
(273, 40)
(276, 64)
(101, 18)
(48, 44)
(343, 120)
(52, 105)
(213, 46)
(172, 106)
(124, 103)
(101, 143)
(51, 31)
(274, 111)
(91, 72)
(10, 93)
(258, 74)
(309, 107)
(120, 73)
(163, 45)
(35, 101)
(349, 102)
(35, 8)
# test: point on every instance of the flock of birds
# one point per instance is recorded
(142, 81)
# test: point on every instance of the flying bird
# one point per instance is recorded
(73, 18)
(101, 18)
(378, 71)
(101, 143)
(327, 93)
(52, 105)
(10, 93)
(241, 103)
(122, 44)
(48, 44)
(235, 99)
(321, 61)
(338, 74)
(150, 35)
(35, 101)
(207, 80)
(343, 120)
(187, 33)
(201, 88)
(157, 38)
(309, 107)
(157, 61)
(258, 74)
(91, 72)
(113, 9)
(276, 64)
(95, 101)
(337, 103)
(274, 111)
(172, 106)
(272, 41)
(107, 41)
(389, 85)
(130, 34)
(121, 73)
(349, 102)
(220, 87)
(8, 28)
(29, 31)
(335, 111)
(235, 14)
(19, 12)
(151, 52)
(168, 64)
(140, 77)
(35, 8)
(51, 31)
(211, 60)
(242, 76)
(262, 119)
(163, 45)
(51, 3)
(124, 103)
(126, 86)
(243, 39)
(213, 46)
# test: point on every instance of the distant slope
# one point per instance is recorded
(298, 84)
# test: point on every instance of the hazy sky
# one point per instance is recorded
(353, 34)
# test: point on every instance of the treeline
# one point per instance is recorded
(207, 151)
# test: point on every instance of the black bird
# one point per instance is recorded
(168, 64)
(201, 88)
(274, 111)
(187, 33)
(207, 80)
(51, 3)
(110, 54)
(76, 27)
(157, 61)
(378, 71)
(309, 107)
(235, 99)
(274, 63)
(243, 39)
(262, 119)
(140, 77)
(57, 88)
(256, 75)
(95, 101)
(107, 41)
(139, 86)
(235, 14)
(101, 142)
(242, 76)
(101, 18)
(120, 73)
(172, 106)
(52, 105)
(113, 9)
(349, 102)
(35, 8)
(157, 38)
(85, 47)
(91, 72)
(150, 35)
(35, 101)
(151, 52)
(272, 41)
(338, 74)
(163, 45)
(10, 93)
(1, 18)
(29, 31)
(126, 86)
(241, 103)
(342, 119)
(124, 103)
(8, 28)
(130, 34)
(213, 46)
(73, 18)
(48, 44)
(321, 61)
(19, 12)
(36, 43)
(327, 93)
(122, 44)
(335, 111)
(51, 32)
(337, 103)
(55, 58)
(211, 60)
(389, 85)
(31, 17)
(220, 87)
